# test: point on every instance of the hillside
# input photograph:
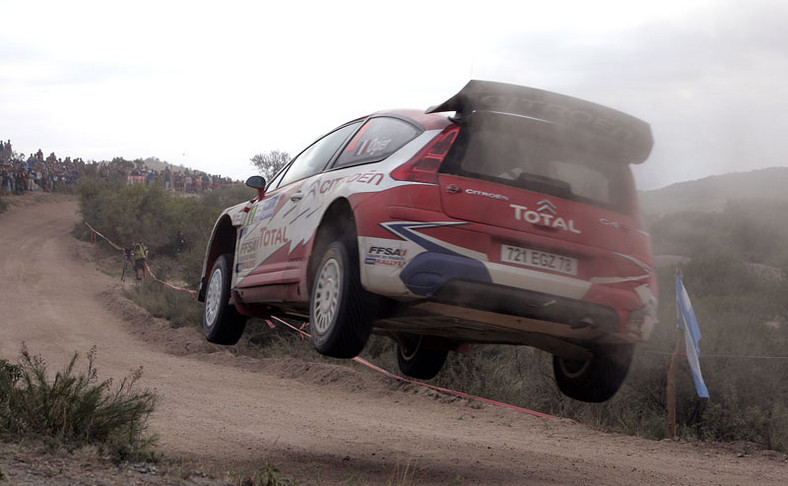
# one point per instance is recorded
(727, 234)
(741, 214)
(713, 193)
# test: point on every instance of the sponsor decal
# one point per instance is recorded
(250, 219)
(545, 205)
(383, 255)
(372, 146)
(272, 236)
(410, 231)
(248, 246)
(608, 222)
(372, 177)
(264, 210)
(326, 185)
(543, 108)
(246, 254)
(545, 214)
(474, 192)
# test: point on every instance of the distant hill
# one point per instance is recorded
(741, 215)
(713, 193)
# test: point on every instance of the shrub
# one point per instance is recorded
(74, 410)
(270, 476)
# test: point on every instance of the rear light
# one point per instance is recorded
(643, 320)
(424, 166)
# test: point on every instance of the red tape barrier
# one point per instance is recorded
(194, 190)
(193, 293)
(303, 334)
(95, 233)
(374, 367)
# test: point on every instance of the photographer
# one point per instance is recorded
(139, 254)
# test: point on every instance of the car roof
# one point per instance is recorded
(429, 121)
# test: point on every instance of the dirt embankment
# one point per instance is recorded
(317, 423)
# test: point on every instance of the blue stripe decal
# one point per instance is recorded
(407, 231)
(429, 271)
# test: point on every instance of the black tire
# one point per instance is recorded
(417, 360)
(596, 379)
(340, 323)
(221, 322)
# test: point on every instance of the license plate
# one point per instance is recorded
(539, 259)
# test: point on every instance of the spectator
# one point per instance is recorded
(139, 254)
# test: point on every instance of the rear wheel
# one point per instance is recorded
(596, 379)
(340, 323)
(417, 359)
(221, 322)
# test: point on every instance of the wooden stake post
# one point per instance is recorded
(671, 392)
(672, 385)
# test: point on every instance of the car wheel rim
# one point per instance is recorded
(409, 347)
(574, 369)
(213, 297)
(327, 295)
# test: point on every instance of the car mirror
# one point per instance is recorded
(257, 182)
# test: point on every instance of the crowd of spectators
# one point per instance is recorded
(19, 174)
(182, 180)
(35, 173)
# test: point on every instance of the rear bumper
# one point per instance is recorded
(429, 272)
(464, 282)
(576, 314)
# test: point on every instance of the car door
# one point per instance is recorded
(285, 218)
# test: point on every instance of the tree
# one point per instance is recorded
(269, 163)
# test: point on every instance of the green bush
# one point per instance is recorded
(126, 214)
(74, 409)
(270, 476)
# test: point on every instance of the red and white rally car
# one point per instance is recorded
(503, 215)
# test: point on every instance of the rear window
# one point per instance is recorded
(376, 140)
(535, 155)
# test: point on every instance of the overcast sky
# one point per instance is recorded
(211, 84)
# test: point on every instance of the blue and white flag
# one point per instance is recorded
(689, 325)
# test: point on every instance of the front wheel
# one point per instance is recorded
(339, 322)
(596, 379)
(417, 359)
(221, 322)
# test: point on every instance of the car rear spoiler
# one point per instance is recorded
(588, 118)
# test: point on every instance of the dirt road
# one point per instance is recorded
(310, 420)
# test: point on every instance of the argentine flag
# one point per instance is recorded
(688, 324)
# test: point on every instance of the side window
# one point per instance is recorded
(314, 159)
(377, 139)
